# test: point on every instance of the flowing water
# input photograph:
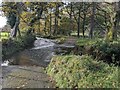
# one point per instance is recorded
(25, 69)
(40, 54)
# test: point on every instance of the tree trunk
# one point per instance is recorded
(19, 33)
(50, 24)
(115, 28)
(55, 26)
(38, 17)
(117, 19)
(39, 27)
(83, 26)
(45, 26)
(70, 27)
(56, 19)
(15, 29)
(92, 25)
(78, 33)
(84, 18)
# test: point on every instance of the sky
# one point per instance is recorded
(2, 19)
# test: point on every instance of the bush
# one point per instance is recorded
(82, 72)
(101, 49)
(11, 46)
(26, 40)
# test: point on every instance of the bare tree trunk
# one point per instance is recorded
(56, 19)
(92, 21)
(15, 29)
(50, 24)
(70, 19)
(55, 26)
(83, 26)
(19, 33)
(78, 33)
(117, 19)
(84, 18)
(39, 27)
(45, 26)
(115, 28)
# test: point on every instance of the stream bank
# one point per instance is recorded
(12, 46)
(30, 63)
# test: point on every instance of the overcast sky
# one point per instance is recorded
(2, 19)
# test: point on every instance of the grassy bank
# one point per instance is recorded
(108, 51)
(60, 39)
(4, 35)
(9, 47)
(73, 71)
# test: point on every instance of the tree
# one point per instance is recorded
(37, 8)
(84, 18)
(77, 15)
(12, 11)
(69, 10)
(57, 6)
(116, 19)
(92, 20)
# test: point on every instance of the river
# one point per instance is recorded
(40, 54)
(25, 69)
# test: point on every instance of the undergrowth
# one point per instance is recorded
(73, 71)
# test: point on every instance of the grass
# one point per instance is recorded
(4, 35)
(72, 71)
(75, 34)
(87, 41)
(101, 49)
(61, 40)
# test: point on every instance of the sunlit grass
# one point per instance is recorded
(75, 34)
(4, 35)
(82, 72)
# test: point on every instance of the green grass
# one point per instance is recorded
(82, 72)
(101, 49)
(4, 35)
(75, 34)
(61, 40)
(87, 41)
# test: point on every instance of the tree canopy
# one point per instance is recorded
(54, 18)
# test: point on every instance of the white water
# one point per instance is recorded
(5, 63)
(43, 43)
(42, 52)
(40, 43)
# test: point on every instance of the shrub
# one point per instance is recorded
(82, 72)
(11, 46)
(108, 51)
(101, 49)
